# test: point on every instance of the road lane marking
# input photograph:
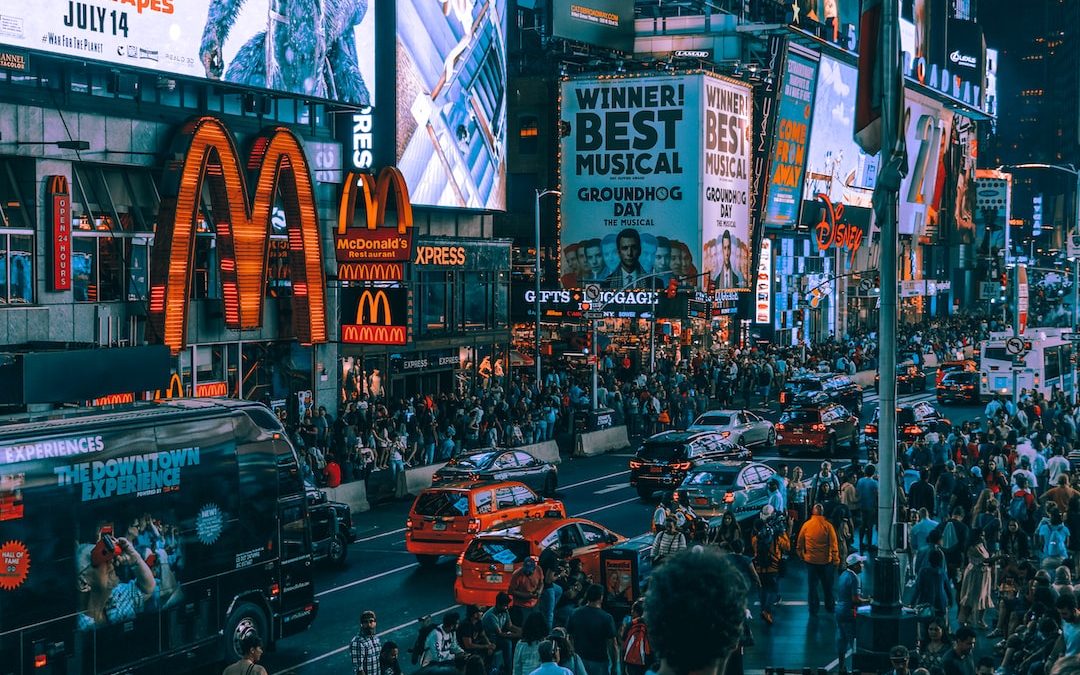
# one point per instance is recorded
(373, 577)
(611, 488)
(606, 506)
(388, 631)
(593, 480)
(379, 536)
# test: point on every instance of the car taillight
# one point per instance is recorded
(780, 427)
(729, 497)
(725, 434)
(41, 660)
(681, 466)
(474, 477)
(408, 523)
(635, 464)
(818, 427)
(783, 397)
(912, 429)
(969, 386)
(474, 525)
(870, 429)
(457, 566)
(274, 590)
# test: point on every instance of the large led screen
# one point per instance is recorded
(604, 23)
(317, 50)
(451, 102)
(788, 158)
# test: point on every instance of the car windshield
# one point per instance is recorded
(714, 420)
(710, 478)
(801, 417)
(480, 460)
(662, 452)
(501, 551)
(443, 503)
(959, 378)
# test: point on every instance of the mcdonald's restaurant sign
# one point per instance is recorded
(380, 316)
(204, 153)
(58, 203)
(372, 251)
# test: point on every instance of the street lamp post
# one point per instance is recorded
(1075, 173)
(539, 195)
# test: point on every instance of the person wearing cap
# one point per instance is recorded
(848, 599)
(365, 647)
(898, 659)
(526, 584)
(819, 548)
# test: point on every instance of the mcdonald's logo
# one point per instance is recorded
(207, 157)
(211, 390)
(114, 399)
(174, 390)
(59, 218)
(380, 316)
(373, 252)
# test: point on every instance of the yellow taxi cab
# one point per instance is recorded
(443, 518)
(490, 559)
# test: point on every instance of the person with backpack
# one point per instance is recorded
(1053, 540)
(637, 655)
(668, 542)
(954, 537)
(441, 646)
(1022, 504)
(770, 543)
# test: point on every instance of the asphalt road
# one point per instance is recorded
(382, 576)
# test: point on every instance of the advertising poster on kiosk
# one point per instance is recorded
(229, 40)
(788, 161)
(451, 102)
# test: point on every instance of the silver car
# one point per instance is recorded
(737, 426)
(716, 487)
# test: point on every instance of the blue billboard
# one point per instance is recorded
(791, 138)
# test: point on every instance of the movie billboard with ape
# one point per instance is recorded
(321, 50)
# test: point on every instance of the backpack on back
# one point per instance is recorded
(636, 649)
(949, 538)
(1055, 541)
(417, 651)
(1018, 508)
(763, 550)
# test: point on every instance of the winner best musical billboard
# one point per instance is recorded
(655, 179)
(451, 102)
(249, 43)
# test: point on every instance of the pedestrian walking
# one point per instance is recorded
(770, 543)
(251, 646)
(364, 648)
(848, 599)
(592, 631)
(818, 547)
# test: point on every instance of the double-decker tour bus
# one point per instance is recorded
(158, 535)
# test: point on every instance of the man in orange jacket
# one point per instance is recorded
(817, 545)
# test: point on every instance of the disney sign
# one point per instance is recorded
(832, 230)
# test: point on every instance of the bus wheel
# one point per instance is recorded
(246, 619)
(339, 549)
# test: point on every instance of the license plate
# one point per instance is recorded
(439, 527)
(655, 469)
(493, 578)
(701, 501)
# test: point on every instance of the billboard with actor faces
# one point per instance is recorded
(282, 47)
(654, 167)
(451, 102)
(928, 129)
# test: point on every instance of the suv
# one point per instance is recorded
(960, 366)
(958, 385)
(663, 460)
(444, 517)
(829, 387)
(909, 378)
(332, 528)
(822, 426)
(913, 421)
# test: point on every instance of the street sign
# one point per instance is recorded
(865, 285)
(593, 315)
(1015, 346)
(592, 292)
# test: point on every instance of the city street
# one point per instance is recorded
(382, 576)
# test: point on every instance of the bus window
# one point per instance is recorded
(1051, 363)
(294, 532)
(997, 354)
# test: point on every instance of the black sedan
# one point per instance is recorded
(958, 386)
(501, 464)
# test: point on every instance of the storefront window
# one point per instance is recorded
(434, 309)
(477, 296)
(113, 216)
(16, 234)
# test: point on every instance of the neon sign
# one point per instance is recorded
(832, 230)
(373, 252)
(278, 167)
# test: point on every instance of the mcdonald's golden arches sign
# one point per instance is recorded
(375, 316)
(205, 155)
(372, 251)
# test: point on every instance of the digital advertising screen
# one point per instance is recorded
(945, 55)
(653, 169)
(928, 131)
(303, 53)
(835, 165)
(451, 102)
(604, 23)
(792, 136)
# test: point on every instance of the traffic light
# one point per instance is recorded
(672, 288)
(588, 343)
